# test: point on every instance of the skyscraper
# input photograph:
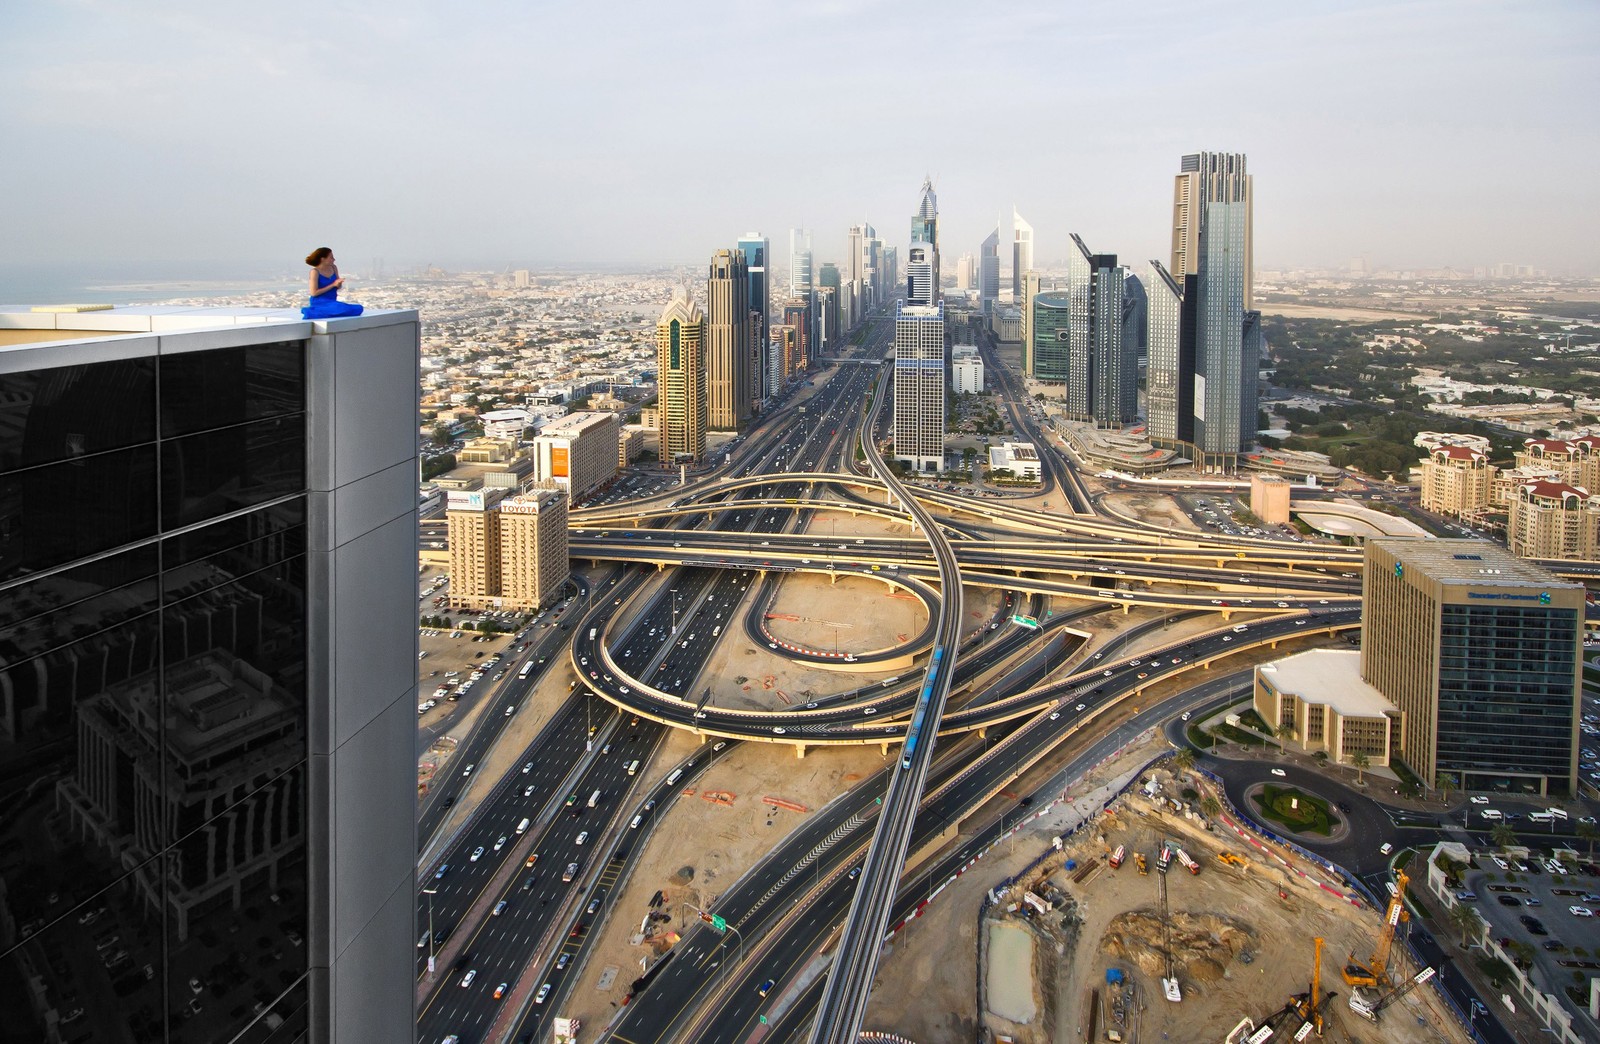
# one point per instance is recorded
(756, 249)
(1480, 650)
(989, 271)
(681, 382)
(828, 290)
(1051, 330)
(919, 386)
(1021, 253)
(207, 585)
(966, 272)
(1102, 382)
(1211, 252)
(800, 271)
(1169, 375)
(1030, 290)
(920, 286)
(728, 342)
(925, 229)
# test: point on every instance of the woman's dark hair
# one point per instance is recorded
(315, 257)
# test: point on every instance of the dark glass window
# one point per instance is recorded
(217, 472)
(75, 411)
(55, 513)
(217, 389)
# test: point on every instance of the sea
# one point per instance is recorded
(141, 283)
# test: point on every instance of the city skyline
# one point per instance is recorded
(503, 162)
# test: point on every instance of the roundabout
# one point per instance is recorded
(1297, 813)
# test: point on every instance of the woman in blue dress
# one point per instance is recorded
(325, 284)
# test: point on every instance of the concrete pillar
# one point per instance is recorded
(800, 750)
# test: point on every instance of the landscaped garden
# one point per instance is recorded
(1296, 810)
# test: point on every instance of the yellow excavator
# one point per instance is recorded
(1375, 973)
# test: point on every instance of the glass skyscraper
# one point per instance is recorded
(756, 248)
(207, 665)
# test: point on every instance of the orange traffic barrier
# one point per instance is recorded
(792, 806)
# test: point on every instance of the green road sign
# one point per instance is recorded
(719, 922)
(1025, 621)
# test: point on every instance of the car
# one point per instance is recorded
(477, 854)
(1080, 706)
(1385, 848)
(583, 836)
(593, 907)
(1478, 799)
(542, 995)
(498, 845)
(1279, 772)
(765, 988)
(196, 986)
(1505, 900)
(1554, 945)
(561, 961)
(1580, 911)
(532, 859)
(527, 767)
(467, 771)
(500, 991)
(1344, 806)
(1054, 715)
(466, 980)
(1590, 897)
(1184, 716)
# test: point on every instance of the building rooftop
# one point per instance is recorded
(1459, 453)
(31, 325)
(1476, 562)
(1331, 677)
(575, 423)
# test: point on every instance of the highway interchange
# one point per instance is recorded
(640, 641)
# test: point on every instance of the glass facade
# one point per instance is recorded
(1506, 694)
(153, 723)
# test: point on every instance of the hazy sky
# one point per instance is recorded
(529, 132)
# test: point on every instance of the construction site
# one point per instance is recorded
(1153, 922)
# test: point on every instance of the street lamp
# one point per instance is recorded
(430, 893)
(674, 610)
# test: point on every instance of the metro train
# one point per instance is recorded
(923, 701)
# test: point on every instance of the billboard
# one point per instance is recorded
(465, 500)
(559, 467)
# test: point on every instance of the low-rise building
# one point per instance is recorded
(1269, 499)
(1554, 520)
(1020, 458)
(1320, 695)
(1457, 480)
(577, 453)
(966, 370)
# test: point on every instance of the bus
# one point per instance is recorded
(527, 669)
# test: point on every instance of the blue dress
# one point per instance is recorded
(328, 305)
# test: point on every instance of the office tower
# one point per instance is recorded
(521, 279)
(855, 252)
(1051, 329)
(925, 230)
(966, 370)
(1480, 651)
(920, 286)
(207, 583)
(966, 272)
(472, 527)
(681, 382)
(1021, 253)
(873, 262)
(829, 306)
(785, 353)
(756, 249)
(1169, 375)
(797, 313)
(1141, 311)
(1211, 251)
(989, 271)
(533, 549)
(728, 342)
(1102, 364)
(1030, 289)
(576, 453)
(800, 263)
(919, 386)
(1554, 520)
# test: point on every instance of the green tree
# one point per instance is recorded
(1285, 733)
(441, 434)
(1183, 761)
(1444, 781)
(1465, 920)
(1502, 835)
(1361, 762)
(1590, 833)
(1210, 807)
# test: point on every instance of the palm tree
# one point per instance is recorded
(1210, 807)
(1360, 760)
(1184, 760)
(1503, 836)
(1590, 833)
(1444, 781)
(1466, 920)
(1284, 733)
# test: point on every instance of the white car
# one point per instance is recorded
(477, 853)
(466, 980)
(1478, 800)
(1279, 772)
(498, 845)
(583, 836)
(1580, 911)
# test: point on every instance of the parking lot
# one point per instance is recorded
(1551, 915)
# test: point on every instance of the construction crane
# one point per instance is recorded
(1310, 1005)
(1375, 973)
(1298, 1019)
(1362, 1004)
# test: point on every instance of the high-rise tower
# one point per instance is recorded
(756, 248)
(800, 263)
(1021, 253)
(919, 386)
(681, 381)
(925, 229)
(1169, 374)
(1211, 250)
(728, 342)
(989, 271)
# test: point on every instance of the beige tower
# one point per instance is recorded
(533, 548)
(681, 380)
(1208, 177)
(1457, 480)
(728, 342)
(472, 521)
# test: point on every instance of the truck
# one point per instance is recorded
(1139, 861)
(1117, 856)
(594, 632)
(1188, 863)
(1164, 860)
(594, 799)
